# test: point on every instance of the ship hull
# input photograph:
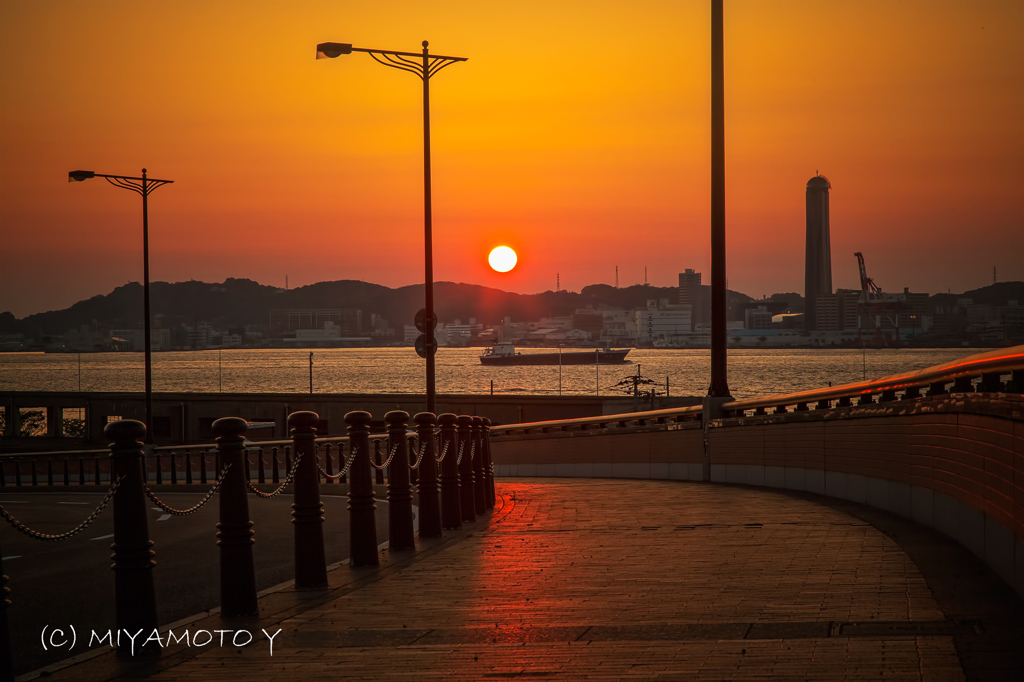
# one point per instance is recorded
(607, 357)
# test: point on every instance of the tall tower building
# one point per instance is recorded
(818, 263)
(689, 294)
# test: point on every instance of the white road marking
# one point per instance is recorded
(103, 537)
(72, 503)
(16, 556)
(164, 517)
(156, 508)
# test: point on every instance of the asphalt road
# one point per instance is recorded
(60, 584)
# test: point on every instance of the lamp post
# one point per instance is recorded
(143, 186)
(719, 388)
(423, 65)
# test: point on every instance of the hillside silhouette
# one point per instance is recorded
(241, 302)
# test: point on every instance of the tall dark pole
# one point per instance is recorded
(428, 239)
(719, 374)
(423, 65)
(145, 307)
(143, 186)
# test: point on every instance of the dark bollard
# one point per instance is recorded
(451, 496)
(464, 455)
(361, 505)
(135, 600)
(430, 504)
(6, 659)
(307, 509)
(234, 532)
(400, 533)
(479, 478)
(488, 463)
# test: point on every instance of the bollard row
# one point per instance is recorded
(451, 490)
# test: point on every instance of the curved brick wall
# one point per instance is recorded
(954, 462)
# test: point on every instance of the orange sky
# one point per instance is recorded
(578, 133)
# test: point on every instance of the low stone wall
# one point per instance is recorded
(955, 462)
(180, 418)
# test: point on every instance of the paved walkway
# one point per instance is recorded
(607, 579)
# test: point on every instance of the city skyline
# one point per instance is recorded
(577, 134)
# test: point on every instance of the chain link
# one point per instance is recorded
(383, 466)
(462, 446)
(344, 471)
(196, 507)
(444, 451)
(284, 484)
(419, 458)
(36, 535)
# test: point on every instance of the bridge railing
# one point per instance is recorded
(1000, 371)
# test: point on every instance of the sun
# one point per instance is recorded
(502, 259)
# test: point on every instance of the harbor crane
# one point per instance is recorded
(880, 306)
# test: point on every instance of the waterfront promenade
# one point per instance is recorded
(614, 579)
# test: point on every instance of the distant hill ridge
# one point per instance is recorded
(238, 302)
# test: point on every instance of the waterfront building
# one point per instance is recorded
(690, 294)
(758, 318)
(588, 320)
(767, 338)
(286, 321)
(663, 322)
(818, 251)
(617, 326)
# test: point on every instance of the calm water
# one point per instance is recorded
(752, 372)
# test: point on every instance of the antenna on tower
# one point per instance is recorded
(558, 282)
(645, 275)
(616, 276)
(993, 274)
(286, 282)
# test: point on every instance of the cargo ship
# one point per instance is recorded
(504, 353)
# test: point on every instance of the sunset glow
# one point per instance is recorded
(502, 259)
(586, 125)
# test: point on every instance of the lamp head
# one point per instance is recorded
(79, 175)
(332, 50)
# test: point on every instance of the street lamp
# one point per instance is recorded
(143, 186)
(424, 65)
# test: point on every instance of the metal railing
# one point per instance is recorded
(196, 464)
(999, 371)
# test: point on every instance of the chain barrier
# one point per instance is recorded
(36, 535)
(383, 466)
(444, 451)
(462, 446)
(344, 471)
(194, 508)
(284, 484)
(419, 458)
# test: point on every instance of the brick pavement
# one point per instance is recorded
(607, 579)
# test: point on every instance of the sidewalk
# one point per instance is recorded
(609, 579)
